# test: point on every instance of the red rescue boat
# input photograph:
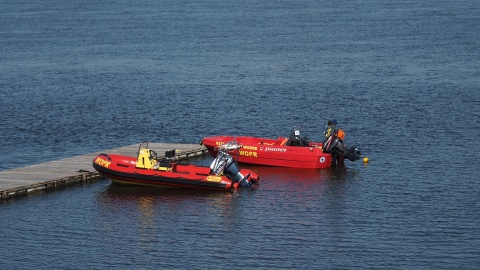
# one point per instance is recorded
(148, 169)
(294, 151)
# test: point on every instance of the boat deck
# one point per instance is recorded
(77, 169)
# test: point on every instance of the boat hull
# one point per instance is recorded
(274, 152)
(122, 169)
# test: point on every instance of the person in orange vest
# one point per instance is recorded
(331, 128)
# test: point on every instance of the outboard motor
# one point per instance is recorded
(225, 164)
(336, 148)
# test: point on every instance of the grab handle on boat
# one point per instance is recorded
(108, 157)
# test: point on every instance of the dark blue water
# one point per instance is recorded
(401, 77)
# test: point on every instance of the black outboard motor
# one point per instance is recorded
(336, 148)
(225, 164)
(296, 140)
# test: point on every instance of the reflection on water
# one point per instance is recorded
(149, 199)
(301, 180)
(154, 211)
(313, 198)
(133, 192)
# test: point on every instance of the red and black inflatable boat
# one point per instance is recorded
(148, 169)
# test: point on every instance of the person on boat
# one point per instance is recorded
(296, 140)
(331, 128)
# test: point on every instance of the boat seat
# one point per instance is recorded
(281, 141)
(162, 166)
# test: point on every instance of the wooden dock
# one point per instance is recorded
(77, 169)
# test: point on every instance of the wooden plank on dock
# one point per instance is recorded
(52, 174)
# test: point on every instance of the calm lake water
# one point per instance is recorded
(401, 77)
